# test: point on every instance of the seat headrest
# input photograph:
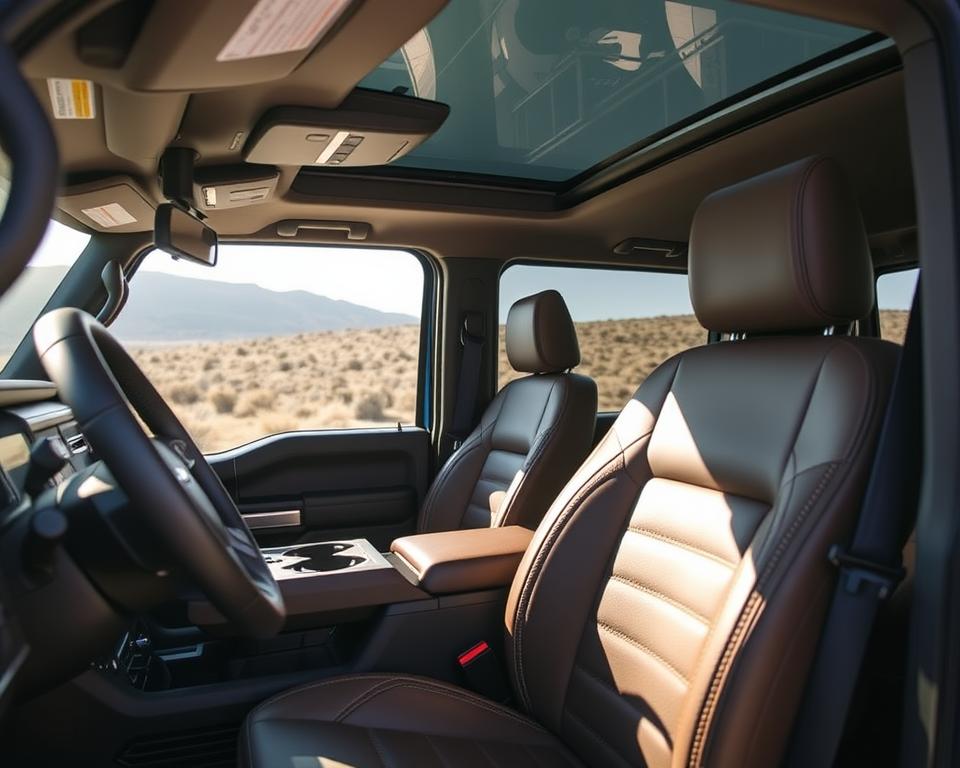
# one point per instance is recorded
(783, 251)
(540, 335)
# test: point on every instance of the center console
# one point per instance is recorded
(350, 608)
(185, 683)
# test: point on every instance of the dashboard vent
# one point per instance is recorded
(205, 748)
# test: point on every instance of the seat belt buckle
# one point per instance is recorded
(855, 571)
(482, 673)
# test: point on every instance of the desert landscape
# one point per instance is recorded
(231, 392)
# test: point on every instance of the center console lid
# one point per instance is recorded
(463, 561)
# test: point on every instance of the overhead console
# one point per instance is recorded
(369, 128)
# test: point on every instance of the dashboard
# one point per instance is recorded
(29, 412)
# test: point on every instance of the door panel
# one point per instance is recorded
(315, 486)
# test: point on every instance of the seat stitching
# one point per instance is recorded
(477, 702)
(597, 737)
(436, 751)
(610, 629)
(484, 753)
(457, 457)
(377, 746)
(800, 262)
(309, 687)
(367, 696)
(680, 543)
(450, 692)
(540, 445)
(639, 586)
(748, 611)
(587, 487)
(746, 619)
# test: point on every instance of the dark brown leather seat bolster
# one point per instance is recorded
(464, 561)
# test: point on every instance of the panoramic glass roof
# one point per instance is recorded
(545, 89)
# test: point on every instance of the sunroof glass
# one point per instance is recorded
(545, 89)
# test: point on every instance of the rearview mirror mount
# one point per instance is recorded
(184, 236)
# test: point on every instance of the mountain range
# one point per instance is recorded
(168, 308)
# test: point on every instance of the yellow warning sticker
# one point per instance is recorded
(71, 99)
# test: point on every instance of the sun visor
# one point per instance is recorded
(112, 205)
(228, 42)
(369, 129)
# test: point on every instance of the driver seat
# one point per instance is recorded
(667, 610)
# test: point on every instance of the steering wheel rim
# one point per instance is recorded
(198, 529)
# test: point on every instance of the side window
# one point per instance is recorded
(278, 338)
(894, 296)
(628, 322)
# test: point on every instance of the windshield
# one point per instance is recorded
(22, 304)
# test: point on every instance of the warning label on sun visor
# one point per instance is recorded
(71, 99)
(281, 26)
(110, 215)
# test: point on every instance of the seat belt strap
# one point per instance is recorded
(468, 384)
(871, 568)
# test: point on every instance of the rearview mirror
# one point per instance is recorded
(184, 236)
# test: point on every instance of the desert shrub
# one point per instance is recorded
(254, 401)
(242, 351)
(285, 365)
(184, 394)
(210, 363)
(304, 413)
(355, 365)
(370, 407)
(224, 399)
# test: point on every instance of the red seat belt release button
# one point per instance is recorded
(471, 655)
(482, 672)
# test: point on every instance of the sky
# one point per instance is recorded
(605, 294)
(388, 280)
(392, 281)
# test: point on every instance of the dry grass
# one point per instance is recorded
(230, 393)
(620, 354)
(893, 324)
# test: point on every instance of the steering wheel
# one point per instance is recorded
(196, 528)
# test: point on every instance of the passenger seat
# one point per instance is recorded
(531, 438)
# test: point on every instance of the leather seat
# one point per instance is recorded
(532, 436)
(668, 607)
